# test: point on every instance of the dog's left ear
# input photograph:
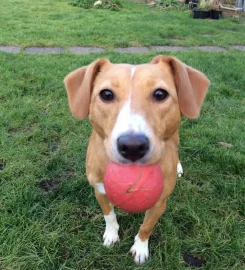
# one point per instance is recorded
(191, 84)
(79, 85)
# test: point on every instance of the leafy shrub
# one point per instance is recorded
(105, 4)
(170, 4)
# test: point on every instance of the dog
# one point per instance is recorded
(135, 112)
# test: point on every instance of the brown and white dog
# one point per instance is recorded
(135, 111)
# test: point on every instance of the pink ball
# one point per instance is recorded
(133, 188)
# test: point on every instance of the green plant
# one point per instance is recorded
(82, 3)
(213, 4)
(203, 5)
(207, 5)
(114, 5)
(170, 4)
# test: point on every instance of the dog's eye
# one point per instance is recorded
(160, 94)
(106, 95)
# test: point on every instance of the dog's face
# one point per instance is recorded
(136, 109)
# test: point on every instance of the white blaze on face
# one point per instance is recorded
(133, 71)
(128, 122)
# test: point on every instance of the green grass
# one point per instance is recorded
(49, 217)
(43, 148)
(56, 23)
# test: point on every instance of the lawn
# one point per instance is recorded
(49, 217)
(56, 23)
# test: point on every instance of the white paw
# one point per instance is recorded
(179, 170)
(111, 236)
(140, 250)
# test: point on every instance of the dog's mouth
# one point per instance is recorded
(142, 161)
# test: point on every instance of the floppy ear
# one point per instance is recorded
(79, 85)
(191, 84)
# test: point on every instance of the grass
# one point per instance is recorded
(56, 23)
(49, 218)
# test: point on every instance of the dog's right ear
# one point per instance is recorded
(191, 84)
(79, 85)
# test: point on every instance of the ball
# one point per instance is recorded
(133, 188)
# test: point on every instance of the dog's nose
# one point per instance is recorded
(133, 147)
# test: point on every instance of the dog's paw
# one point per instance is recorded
(140, 250)
(179, 170)
(110, 236)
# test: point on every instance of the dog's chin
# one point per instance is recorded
(142, 161)
(129, 162)
(121, 160)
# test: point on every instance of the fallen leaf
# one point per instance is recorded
(193, 261)
(76, 229)
(224, 144)
(49, 185)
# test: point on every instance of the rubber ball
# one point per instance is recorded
(133, 188)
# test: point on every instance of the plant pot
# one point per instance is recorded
(214, 14)
(193, 5)
(201, 14)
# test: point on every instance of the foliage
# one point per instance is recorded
(207, 5)
(203, 5)
(82, 3)
(229, 3)
(114, 5)
(170, 4)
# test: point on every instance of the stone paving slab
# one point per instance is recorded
(10, 49)
(209, 48)
(132, 50)
(239, 47)
(170, 48)
(44, 50)
(85, 50)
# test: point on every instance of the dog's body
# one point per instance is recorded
(135, 112)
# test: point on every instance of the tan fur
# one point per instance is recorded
(187, 88)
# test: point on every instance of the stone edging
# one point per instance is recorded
(88, 50)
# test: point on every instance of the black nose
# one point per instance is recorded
(133, 147)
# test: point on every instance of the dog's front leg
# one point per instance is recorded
(110, 236)
(140, 249)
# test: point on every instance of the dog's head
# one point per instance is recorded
(136, 109)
